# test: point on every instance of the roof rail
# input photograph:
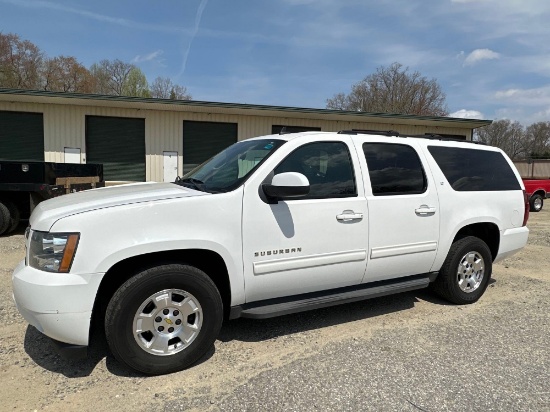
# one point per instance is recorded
(430, 136)
(364, 131)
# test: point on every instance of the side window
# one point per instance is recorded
(469, 170)
(394, 169)
(328, 167)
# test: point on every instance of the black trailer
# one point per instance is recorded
(25, 184)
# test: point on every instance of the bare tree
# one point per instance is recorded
(110, 76)
(24, 66)
(65, 74)
(20, 62)
(163, 88)
(393, 89)
(160, 88)
(537, 140)
(505, 134)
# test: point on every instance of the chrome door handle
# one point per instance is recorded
(348, 216)
(425, 210)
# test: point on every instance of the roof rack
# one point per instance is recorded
(433, 136)
(430, 136)
(364, 131)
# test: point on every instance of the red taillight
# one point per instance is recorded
(526, 212)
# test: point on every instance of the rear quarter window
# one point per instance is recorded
(470, 170)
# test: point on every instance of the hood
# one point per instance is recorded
(49, 211)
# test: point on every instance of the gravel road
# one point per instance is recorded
(405, 352)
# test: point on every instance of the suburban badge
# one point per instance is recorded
(278, 251)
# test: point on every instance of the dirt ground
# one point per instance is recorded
(405, 352)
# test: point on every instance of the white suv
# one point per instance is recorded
(270, 226)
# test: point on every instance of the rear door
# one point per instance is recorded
(403, 208)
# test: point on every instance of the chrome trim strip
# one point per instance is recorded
(388, 251)
(304, 262)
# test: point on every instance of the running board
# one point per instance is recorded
(294, 304)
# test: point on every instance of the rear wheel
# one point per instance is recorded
(535, 203)
(164, 319)
(15, 217)
(466, 271)
(4, 218)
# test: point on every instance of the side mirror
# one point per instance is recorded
(286, 186)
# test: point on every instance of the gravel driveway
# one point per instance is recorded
(405, 352)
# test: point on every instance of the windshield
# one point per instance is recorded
(229, 168)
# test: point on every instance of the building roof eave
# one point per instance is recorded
(67, 98)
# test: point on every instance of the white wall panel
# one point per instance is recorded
(65, 126)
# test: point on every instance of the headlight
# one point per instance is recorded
(52, 252)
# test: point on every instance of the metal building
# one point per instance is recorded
(142, 139)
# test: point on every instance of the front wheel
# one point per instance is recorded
(466, 271)
(535, 203)
(164, 319)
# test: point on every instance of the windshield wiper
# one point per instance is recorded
(191, 183)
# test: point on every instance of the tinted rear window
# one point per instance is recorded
(469, 170)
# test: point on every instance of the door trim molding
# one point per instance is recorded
(407, 249)
(304, 262)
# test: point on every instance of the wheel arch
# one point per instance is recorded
(486, 231)
(541, 192)
(208, 261)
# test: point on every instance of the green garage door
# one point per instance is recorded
(21, 136)
(119, 144)
(202, 140)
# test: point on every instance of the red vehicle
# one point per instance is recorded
(537, 190)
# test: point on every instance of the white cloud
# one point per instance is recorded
(148, 57)
(467, 114)
(526, 97)
(198, 17)
(480, 54)
(526, 117)
(525, 105)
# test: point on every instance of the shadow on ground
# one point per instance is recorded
(40, 349)
(252, 330)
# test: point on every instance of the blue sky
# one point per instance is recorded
(491, 57)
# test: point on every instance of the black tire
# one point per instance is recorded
(129, 300)
(15, 217)
(4, 218)
(535, 203)
(448, 282)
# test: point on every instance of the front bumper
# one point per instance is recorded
(57, 304)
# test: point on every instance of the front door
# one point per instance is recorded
(313, 243)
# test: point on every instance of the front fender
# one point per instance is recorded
(109, 236)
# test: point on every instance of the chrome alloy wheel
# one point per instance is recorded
(471, 270)
(537, 204)
(167, 322)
